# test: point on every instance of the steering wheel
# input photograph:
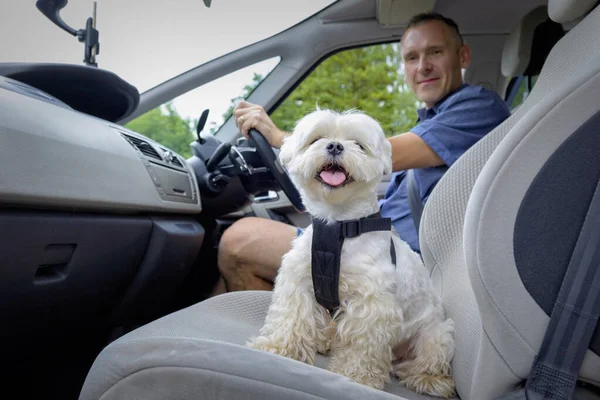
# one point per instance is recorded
(272, 163)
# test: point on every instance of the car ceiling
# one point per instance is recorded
(472, 16)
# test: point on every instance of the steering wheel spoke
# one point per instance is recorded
(268, 156)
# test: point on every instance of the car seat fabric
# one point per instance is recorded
(467, 227)
(199, 353)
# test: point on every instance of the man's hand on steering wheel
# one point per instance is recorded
(254, 123)
(251, 116)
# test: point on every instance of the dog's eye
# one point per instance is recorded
(359, 144)
(316, 140)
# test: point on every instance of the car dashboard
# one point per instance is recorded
(98, 224)
(54, 156)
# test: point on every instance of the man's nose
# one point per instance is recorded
(424, 65)
(335, 148)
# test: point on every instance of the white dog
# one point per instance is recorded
(335, 161)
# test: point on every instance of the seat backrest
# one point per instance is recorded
(499, 227)
(525, 51)
(516, 54)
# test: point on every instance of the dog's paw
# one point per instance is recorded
(299, 353)
(324, 347)
(326, 339)
(365, 377)
(424, 379)
(432, 385)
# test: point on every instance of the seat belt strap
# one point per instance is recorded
(574, 316)
(573, 320)
(414, 198)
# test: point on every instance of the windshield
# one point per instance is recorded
(147, 42)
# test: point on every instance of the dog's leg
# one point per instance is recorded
(432, 348)
(326, 337)
(294, 324)
(366, 331)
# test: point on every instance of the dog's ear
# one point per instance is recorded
(383, 145)
(287, 150)
(291, 143)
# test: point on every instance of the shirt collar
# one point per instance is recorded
(425, 113)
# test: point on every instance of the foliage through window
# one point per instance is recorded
(525, 84)
(173, 124)
(368, 79)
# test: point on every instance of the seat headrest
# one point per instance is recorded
(564, 11)
(516, 53)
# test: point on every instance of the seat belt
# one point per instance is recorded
(414, 198)
(573, 321)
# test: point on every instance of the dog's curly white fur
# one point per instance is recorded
(381, 306)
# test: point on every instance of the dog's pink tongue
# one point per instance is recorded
(333, 178)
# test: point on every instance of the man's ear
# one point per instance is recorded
(464, 54)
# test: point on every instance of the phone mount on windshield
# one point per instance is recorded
(88, 36)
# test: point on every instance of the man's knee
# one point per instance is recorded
(233, 242)
(255, 245)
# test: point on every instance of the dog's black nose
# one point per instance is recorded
(334, 148)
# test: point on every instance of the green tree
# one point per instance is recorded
(522, 92)
(367, 79)
(164, 125)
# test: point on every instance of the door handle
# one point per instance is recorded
(271, 195)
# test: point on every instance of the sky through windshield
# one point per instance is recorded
(147, 42)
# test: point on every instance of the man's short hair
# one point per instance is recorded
(433, 16)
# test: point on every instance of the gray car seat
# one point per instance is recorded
(498, 231)
(496, 256)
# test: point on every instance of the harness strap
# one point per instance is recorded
(326, 251)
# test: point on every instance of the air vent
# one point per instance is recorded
(143, 146)
(176, 162)
(171, 158)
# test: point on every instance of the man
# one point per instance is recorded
(456, 115)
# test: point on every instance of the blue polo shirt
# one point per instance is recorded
(450, 128)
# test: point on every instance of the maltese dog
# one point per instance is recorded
(382, 296)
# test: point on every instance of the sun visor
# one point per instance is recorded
(397, 13)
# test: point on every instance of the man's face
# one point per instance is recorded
(433, 59)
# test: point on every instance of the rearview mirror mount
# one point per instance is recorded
(89, 36)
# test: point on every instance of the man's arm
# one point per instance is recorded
(457, 126)
(410, 151)
(434, 142)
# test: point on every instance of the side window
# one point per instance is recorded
(519, 89)
(173, 124)
(368, 78)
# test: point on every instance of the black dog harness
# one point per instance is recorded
(326, 251)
